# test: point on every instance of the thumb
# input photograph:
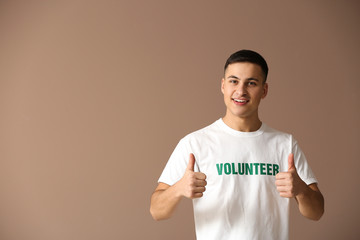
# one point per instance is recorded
(191, 163)
(291, 164)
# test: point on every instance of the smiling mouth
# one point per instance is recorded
(240, 100)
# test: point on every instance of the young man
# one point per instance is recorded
(239, 172)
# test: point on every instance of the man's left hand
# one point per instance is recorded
(289, 184)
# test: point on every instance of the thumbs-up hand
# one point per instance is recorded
(289, 184)
(192, 184)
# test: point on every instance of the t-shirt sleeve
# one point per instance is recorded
(177, 163)
(303, 168)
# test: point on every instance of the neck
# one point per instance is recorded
(243, 124)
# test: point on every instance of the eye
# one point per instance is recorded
(233, 81)
(252, 83)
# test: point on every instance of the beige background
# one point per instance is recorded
(94, 96)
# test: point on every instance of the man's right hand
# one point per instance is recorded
(165, 197)
(192, 184)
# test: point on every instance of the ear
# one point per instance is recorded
(266, 88)
(222, 85)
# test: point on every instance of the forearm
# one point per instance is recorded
(164, 202)
(165, 198)
(311, 202)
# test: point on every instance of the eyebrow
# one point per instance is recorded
(251, 78)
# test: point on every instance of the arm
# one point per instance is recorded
(164, 201)
(165, 197)
(311, 202)
(309, 198)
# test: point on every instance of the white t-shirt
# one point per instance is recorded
(241, 200)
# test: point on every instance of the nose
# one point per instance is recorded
(241, 89)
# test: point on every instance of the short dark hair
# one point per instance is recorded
(248, 56)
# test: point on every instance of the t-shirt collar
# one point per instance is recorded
(234, 132)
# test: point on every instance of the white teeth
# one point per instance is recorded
(241, 101)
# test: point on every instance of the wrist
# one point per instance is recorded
(304, 192)
(178, 193)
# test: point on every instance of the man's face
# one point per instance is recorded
(243, 88)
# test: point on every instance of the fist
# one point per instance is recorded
(289, 184)
(192, 184)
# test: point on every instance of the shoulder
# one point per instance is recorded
(275, 133)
